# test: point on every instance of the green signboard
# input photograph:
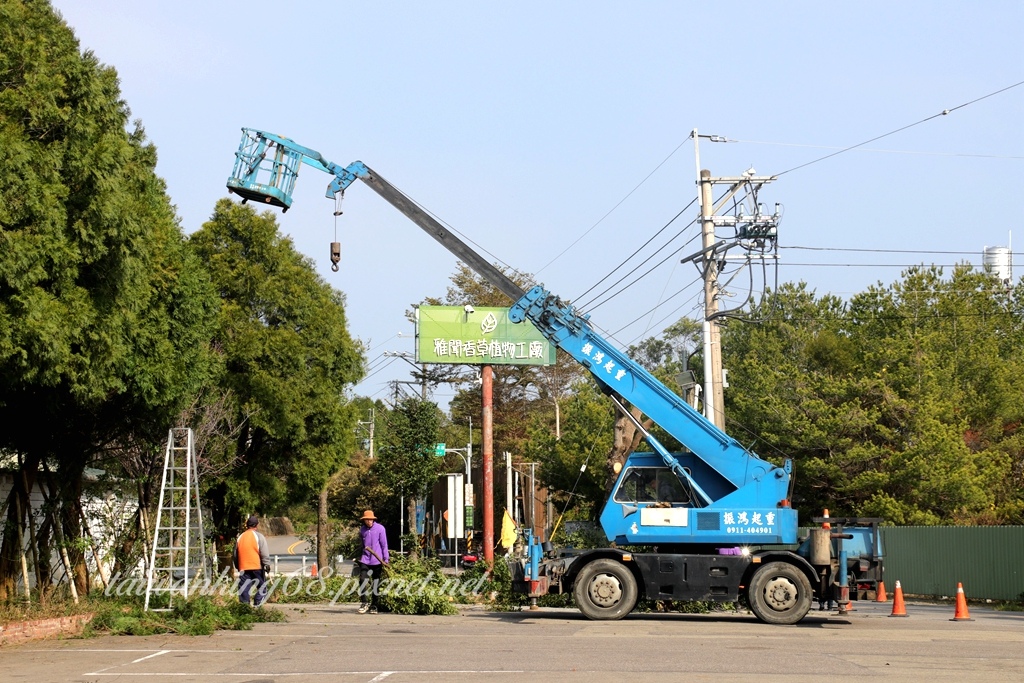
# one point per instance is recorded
(482, 336)
(439, 450)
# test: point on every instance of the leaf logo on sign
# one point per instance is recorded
(489, 324)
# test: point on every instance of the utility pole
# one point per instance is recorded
(422, 370)
(714, 395)
(367, 428)
(754, 231)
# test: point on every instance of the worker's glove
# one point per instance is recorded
(266, 569)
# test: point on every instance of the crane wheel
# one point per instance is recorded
(605, 590)
(779, 594)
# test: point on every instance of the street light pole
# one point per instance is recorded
(471, 497)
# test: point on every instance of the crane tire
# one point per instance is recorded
(779, 593)
(605, 590)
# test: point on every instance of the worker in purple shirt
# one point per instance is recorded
(371, 562)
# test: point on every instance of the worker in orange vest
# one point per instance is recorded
(252, 562)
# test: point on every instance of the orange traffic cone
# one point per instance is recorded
(825, 524)
(880, 595)
(312, 572)
(961, 605)
(898, 608)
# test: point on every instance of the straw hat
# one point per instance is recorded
(368, 515)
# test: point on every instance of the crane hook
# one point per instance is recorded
(335, 255)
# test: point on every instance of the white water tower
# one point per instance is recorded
(999, 260)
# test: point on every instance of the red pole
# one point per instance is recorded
(487, 387)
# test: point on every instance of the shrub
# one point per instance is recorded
(581, 536)
(407, 587)
(416, 587)
(301, 589)
(197, 616)
(496, 589)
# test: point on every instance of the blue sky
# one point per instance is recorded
(560, 129)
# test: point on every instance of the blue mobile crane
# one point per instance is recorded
(710, 523)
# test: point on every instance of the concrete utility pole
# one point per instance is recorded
(752, 231)
(367, 428)
(714, 395)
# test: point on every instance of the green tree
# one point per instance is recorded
(103, 313)
(406, 466)
(571, 464)
(288, 359)
(795, 392)
(901, 403)
(951, 352)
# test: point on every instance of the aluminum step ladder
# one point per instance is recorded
(178, 560)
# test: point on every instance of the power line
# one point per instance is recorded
(944, 112)
(380, 344)
(878, 265)
(923, 317)
(928, 315)
(649, 271)
(887, 251)
(652, 255)
(375, 362)
(641, 276)
(659, 305)
(661, 299)
(377, 370)
(638, 250)
(883, 151)
(619, 203)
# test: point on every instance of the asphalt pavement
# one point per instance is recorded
(288, 545)
(333, 642)
(290, 555)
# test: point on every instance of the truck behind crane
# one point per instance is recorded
(711, 521)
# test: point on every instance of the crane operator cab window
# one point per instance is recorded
(651, 485)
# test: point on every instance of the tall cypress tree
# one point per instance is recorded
(288, 359)
(104, 314)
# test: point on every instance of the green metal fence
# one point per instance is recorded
(989, 561)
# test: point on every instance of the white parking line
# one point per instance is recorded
(126, 649)
(418, 672)
(155, 654)
(272, 635)
(152, 653)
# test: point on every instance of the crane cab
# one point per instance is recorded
(652, 505)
